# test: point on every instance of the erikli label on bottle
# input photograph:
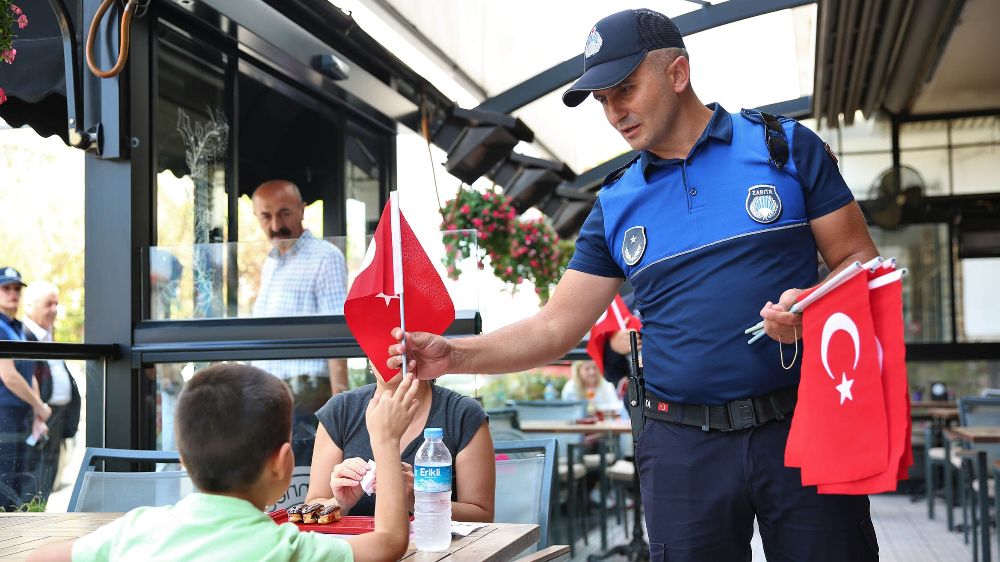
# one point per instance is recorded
(432, 478)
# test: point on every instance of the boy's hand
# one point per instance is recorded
(346, 482)
(389, 414)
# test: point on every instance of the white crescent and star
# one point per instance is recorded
(837, 322)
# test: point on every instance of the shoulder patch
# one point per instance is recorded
(829, 151)
(614, 176)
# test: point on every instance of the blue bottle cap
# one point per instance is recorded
(433, 432)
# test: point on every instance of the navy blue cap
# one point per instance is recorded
(617, 45)
(9, 275)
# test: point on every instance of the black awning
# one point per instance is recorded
(36, 83)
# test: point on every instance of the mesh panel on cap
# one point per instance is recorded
(656, 31)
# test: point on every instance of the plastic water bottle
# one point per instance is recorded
(432, 493)
(550, 391)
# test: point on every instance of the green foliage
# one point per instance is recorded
(527, 385)
(36, 505)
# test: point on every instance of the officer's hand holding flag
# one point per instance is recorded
(851, 426)
(395, 266)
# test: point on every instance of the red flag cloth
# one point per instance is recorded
(616, 318)
(841, 408)
(886, 301)
(372, 306)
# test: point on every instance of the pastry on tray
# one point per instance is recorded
(310, 513)
(295, 513)
(329, 514)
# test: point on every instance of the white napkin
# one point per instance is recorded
(463, 529)
(368, 478)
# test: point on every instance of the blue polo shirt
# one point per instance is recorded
(706, 241)
(11, 329)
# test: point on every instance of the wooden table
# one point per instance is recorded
(980, 435)
(615, 427)
(943, 416)
(20, 533)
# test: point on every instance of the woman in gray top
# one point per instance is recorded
(342, 450)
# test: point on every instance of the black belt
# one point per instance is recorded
(735, 415)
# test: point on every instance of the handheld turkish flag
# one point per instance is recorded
(840, 417)
(616, 318)
(886, 301)
(395, 265)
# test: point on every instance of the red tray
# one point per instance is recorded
(348, 524)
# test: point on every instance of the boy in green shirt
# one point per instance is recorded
(233, 434)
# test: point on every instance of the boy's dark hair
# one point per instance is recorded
(230, 419)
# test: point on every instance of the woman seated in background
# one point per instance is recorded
(588, 384)
(342, 450)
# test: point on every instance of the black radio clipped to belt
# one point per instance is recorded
(636, 388)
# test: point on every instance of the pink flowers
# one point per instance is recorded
(3, 96)
(7, 21)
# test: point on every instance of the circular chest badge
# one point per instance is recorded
(763, 204)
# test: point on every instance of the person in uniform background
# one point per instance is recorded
(56, 385)
(22, 411)
(717, 221)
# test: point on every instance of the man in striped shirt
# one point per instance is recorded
(303, 275)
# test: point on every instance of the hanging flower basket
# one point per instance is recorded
(12, 18)
(518, 250)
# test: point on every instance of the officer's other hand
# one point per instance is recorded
(779, 324)
(429, 355)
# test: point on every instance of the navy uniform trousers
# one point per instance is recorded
(702, 489)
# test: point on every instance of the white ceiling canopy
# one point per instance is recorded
(476, 49)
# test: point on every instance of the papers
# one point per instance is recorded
(368, 480)
(464, 529)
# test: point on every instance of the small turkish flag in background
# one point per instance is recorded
(616, 318)
(839, 431)
(395, 276)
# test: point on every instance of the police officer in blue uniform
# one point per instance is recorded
(718, 219)
(20, 403)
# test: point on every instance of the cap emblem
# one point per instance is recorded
(594, 42)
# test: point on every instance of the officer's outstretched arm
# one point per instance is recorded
(576, 304)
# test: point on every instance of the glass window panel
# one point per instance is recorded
(365, 160)
(980, 301)
(861, 170)
(42, 475)
(963, 378)
(308, 379)
(923, 134)
(976, 169)
(932, 165)
(191, 128)
(182, 279)
(975, 130)
(923, 251)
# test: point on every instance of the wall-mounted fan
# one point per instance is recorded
(894, 191)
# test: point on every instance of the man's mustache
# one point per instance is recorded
(281, 233)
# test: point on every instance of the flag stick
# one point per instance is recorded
(397, 267)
